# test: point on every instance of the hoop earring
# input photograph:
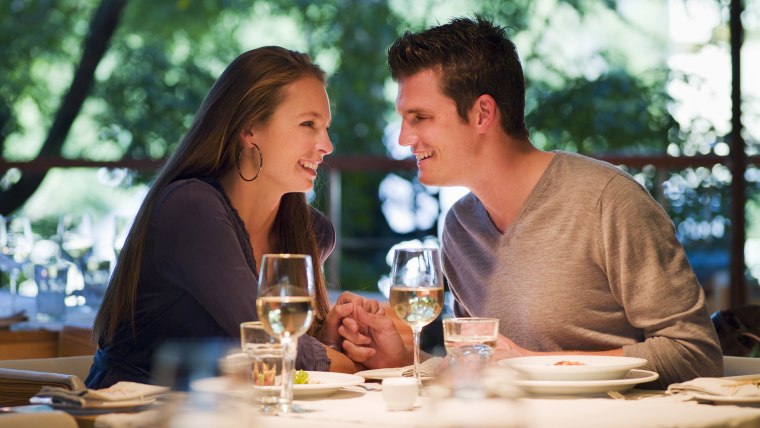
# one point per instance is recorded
(261, 164)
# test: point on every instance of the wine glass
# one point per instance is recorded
(76, 237)
(16, 243)
(416, 293)
(285, 304)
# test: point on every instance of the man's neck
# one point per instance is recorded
(508, 174)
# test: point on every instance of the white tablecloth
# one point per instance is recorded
(346, 409)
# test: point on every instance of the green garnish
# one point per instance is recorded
(301, 378)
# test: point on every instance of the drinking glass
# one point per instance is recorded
(416, 293)
(285, 305)
(469, 344)
(265, 365)
(76, 238)
(16, 243)
(470, 336)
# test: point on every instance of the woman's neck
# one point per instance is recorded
(257, 206)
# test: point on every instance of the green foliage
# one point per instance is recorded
(35, 36)
(166, 54)
(627, 115)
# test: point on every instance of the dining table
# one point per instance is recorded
(363, 405)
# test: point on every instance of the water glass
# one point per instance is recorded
(51, 280)
(285, 305)
(469, 345)
(265, 355)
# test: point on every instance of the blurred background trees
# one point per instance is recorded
(606, 77)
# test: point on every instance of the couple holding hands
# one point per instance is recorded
(570, 253)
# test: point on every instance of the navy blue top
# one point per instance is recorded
(197, 282)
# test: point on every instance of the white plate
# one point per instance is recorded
(719, 399)
(594, 367)
(379, 374)
(586, 387)
(321, 383)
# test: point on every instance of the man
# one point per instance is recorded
(570, 253)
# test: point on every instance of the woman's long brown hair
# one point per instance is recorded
(246, 93)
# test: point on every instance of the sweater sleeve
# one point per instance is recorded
(197, 249)
(650, 276)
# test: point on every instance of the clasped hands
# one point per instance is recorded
(362, 330)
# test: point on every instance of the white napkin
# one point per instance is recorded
(748, 386)
(428, 368)
(122, 391)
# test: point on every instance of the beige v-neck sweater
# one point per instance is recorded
(590, 263)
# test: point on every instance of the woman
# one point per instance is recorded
(232, 192)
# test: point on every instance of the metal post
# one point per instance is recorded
(738, 291)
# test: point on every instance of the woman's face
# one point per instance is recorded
(294, 140)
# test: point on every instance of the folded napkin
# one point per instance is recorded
(121, 392)
(16, 386)
(428, 368)
(747, 386)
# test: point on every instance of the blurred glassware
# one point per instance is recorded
(96, 276)
(121, 226)
(16, 243)
(469, 345)
(265, 355)
(52, 280)
(76, 238)
(285, 305)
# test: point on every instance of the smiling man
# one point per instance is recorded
(571, 253)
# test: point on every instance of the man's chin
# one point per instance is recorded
(428, 179)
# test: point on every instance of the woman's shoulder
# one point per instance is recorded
(189, 190)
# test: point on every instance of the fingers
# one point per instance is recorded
(355, 337)
(357, 353)
(370, 305)
(373, 320)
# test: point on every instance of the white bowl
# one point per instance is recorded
(591, 367)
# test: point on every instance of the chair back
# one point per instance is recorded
(22, 379)
(740, 366)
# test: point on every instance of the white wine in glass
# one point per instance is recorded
(285, 304)
(416, 294)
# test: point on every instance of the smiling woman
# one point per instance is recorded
(187, 271)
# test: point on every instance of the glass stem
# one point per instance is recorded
(13, 276)
(416, 337)
(288, 368)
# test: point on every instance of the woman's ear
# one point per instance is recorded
(246, 137)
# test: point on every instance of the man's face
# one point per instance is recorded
(434, 131)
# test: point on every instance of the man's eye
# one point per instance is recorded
(308, 123)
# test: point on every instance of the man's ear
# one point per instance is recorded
(484, 112)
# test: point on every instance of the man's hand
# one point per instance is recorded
(373, 340)
(344, 307)
(506, 348)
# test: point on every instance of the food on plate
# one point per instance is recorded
(301, 378)
(569, 363)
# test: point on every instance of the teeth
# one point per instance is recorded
(310, 165)
(421, 156)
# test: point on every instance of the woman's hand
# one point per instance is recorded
(374, 341)
(344, 309)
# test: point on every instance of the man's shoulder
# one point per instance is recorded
(466, 206)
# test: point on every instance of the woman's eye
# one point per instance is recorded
(308, 124)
